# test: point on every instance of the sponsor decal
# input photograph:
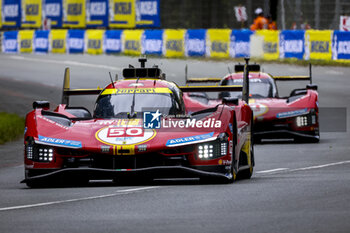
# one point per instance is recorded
(60, 142)
(52, 122)
(224, 162)
(293, 46)
(196, 45)
(148, 8)
(344, 47)
(52, 9)
(251, 80)
(189, 140)
(291, 113)
(151, 120)
(114, 135)
(122, 122)
(319, 46)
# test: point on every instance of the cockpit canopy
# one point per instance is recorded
(258, 88)
(120, 103)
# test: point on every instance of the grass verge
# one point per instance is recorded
(11, 127)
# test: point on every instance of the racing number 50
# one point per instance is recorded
(125, 132)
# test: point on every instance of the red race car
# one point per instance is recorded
(140, 128)
(292, 117)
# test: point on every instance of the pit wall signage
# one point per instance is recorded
(216, 43)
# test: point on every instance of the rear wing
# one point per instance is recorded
(295, 77)
(211, 88)
(68, 92)
(244, 88)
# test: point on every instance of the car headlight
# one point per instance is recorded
(39, 153)
(302, 121)
(205, 151)
(212, 150)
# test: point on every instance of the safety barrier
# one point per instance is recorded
(58, 14)
(214, 43)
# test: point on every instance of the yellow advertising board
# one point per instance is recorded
(174, 42)
(94, 41)
(271, 43)
(58, 40)
(218, 41)
(122, 14)
(132, 41)
(74, 13)
(318, 44)
(1, 13)
(31, 17)
(25, 39)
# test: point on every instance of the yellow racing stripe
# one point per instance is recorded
(136, 90)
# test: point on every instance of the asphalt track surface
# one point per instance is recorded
(295, 187)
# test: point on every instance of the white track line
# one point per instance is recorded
(280, 170)
(320, 166)
(117, 193)
(67, 62)
(272, 170)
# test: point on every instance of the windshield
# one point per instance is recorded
(258, 88)
(119, 105)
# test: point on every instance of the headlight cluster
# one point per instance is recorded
(40, 153)
(212, 150)
(302, 121)
(223, 148)
(205, 151)
(29, 151)
(45, 155)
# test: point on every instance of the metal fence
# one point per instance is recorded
(318, 14)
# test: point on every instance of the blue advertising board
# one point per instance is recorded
(96, 13)
(195, 42)
(152, 42)
(9, 42)
(53, 11)
(292, 44)
(112, 41)
(41, 41)
(240, 43)
(75, 41)
(147, 13)
(11, 14)
(341, 45)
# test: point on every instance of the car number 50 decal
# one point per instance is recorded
(124, 136)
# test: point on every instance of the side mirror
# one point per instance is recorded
(312, 87)
(230, 100)
(41, 104)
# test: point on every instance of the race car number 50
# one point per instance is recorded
(122, 132)
(124, 135)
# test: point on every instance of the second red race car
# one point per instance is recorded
(140, 129)
(292, 117)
